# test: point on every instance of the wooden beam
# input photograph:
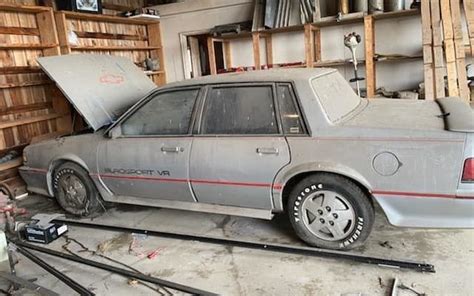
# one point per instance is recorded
(106, 18)
(61, 25)
(450, 56)
(23, 8)
(370, 78)
(309, 45)
(212, 55)
(269, 49)
(11, 123)
(4, 110)
(437, 42)
(256, 50)
(317, 44)
(112, 48)
(227, 54)
(19, 70)
(464, 92)
(19, 31)
(469, 12)
(24, 84)
(48, 32)
(427, 39)
(11, 164)
(26, 46)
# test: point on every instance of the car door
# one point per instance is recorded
(149, 157)
(239, 147)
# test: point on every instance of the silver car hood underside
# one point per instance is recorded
(100, 87)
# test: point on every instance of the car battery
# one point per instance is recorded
(43, 230)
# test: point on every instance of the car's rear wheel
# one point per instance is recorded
(330, 211)
(75, 191)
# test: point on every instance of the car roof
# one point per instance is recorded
(273, 75)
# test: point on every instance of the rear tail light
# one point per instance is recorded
(468, 171)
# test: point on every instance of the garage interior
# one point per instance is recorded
(403, 50)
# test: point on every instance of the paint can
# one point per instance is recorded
(394, 5)
(375, 6)
(344, 6)
(361, 5)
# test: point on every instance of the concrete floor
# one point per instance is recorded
(236, 271)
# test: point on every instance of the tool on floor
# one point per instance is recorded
(351, 41)
(307, 251)
(397, 284)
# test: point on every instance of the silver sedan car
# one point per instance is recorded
(256, 144)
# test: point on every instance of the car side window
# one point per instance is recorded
(239, 110)
(290, 118)
(167, 113)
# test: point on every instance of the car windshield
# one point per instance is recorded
(336, 95)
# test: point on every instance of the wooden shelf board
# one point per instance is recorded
(241, 35)
(398, 59)
(23, 121)
(26, 46)
(114, 48)
(19, 31)
(23, 84)
(23, 8)
(107, 18)
(396, 14)
(19, 69)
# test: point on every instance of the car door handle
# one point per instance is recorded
(267, 150)
(172, 149)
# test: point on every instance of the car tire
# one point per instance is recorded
(330, 211)
(75, 191)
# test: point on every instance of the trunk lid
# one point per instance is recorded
(458, 115)
(100, 87)
(399, 114)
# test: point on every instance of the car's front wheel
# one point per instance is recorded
(330, 211)
(75, 191)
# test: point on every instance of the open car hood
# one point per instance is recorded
(101, 87)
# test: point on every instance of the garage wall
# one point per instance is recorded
(393, 36)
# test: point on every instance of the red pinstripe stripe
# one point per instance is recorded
(214, 182)
(419, 194)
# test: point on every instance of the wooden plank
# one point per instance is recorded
(24, 84)
(427, 54)
(317, 44)
(309, 45)
(118, 7)
(456, 17)
(48, 33)
(429, 81)
(4, 110)
(19, 31)
(61, 25)
(269, 49)
(227, 54)
(256, 50)
(7, 124)
(437, 43)
(212, 55)
(22, 8)
(26, 46)
(106, 18)
(114, 48)
(469, 13)
(369, 56)
(19, 69)
(16, 162)
(100, 35)
(436, 23)
(426, 23)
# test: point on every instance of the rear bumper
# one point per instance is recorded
(431, 212)
(36, 179)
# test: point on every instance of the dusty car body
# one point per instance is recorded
(410, 157)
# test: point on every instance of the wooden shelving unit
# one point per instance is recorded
(105, 34)
(312, 43)
(30, 104)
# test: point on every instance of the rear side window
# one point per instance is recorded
(336, 95)
(239, 110)
(290, 118)
(166, 114)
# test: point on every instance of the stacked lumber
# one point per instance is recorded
(443, 49)
(30, 104)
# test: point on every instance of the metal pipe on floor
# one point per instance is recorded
(114, 269)
(56, 273)
(298, 250)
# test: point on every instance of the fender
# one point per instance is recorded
(288, 173)
(54, 163)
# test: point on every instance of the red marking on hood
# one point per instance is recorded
(111, 79)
